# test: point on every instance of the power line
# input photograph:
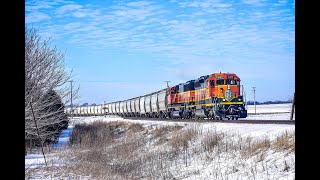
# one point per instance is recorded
(113, 81)
(103, 81)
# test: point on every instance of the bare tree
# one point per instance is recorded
(46, 86)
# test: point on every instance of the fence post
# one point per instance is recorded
(292, 109)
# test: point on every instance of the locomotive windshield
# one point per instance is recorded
(220, 82)
(228, 82)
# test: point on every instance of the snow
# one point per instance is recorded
(269, 112)
(34, 160)
(273, 116)
(206, 171)
(64, 138)
(270, 108)
(244, 129)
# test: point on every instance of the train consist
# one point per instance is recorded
(216, 96)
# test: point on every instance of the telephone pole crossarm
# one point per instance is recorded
(167, 83)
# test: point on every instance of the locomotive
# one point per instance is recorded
(216, 96)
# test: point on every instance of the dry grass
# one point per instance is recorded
(181, 138)
(164, 130)
(285, 141)
(255, 147)
(136, 127)
(92, 135)
(119, 150)
(162, 133)
(107, 150)
(211, 140)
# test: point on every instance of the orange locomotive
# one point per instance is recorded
(215, 96)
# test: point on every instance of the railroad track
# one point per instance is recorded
(267, 113)
(215, 121)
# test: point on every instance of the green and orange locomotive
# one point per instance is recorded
(216, 96)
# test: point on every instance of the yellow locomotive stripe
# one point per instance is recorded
(231, 102)
(175, 107)
(210, 104)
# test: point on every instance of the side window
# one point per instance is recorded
(211, 83)
(238, 82)
(173, 91)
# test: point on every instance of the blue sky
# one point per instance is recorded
(122, 49)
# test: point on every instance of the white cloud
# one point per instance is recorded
(36, 17)
(204, 4)
(79, 14)
(72, 26)
(68, 7)
(254, 2)
(186, 37)
(283, 1)
(139, 3)
(37, 5)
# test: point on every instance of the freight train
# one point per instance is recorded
(216, 96)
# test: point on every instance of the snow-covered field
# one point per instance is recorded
(270, 108)
(273, 162)
(244, 129)
(269, 112)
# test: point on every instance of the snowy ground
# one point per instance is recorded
(243, 129)
(269, 112)
(270, 108)
(273, 116)
(253, 130)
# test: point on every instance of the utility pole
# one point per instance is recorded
(254, 96)
(167, 83)
(168, 92)
(71, 112)
(292, 109)
(245, 99)
(104, 108)
(242, 90)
